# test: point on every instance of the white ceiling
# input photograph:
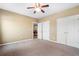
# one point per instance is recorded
(21, 8)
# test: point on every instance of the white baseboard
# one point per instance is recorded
(15, 42)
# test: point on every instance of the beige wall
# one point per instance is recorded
(15, 27)
(53, 18)
(0, 29)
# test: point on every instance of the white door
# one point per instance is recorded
(46, 30)
(74, 41)
(43, 30)
(62, 31)
(68, 31)
(40, 31)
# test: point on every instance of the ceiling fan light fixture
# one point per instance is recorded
(38, 9)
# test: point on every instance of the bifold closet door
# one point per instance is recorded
(62, 31)
(74, 40)
(68, 30)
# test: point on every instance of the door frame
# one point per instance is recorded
(33, 28)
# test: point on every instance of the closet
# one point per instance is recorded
(68, 30)
(44, 30)
(35, 26)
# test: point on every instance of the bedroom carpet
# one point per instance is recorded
(37, 48)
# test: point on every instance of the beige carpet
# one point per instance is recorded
(37, 48)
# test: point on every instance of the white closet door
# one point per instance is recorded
(68, 31)
(74, 41)
(46, 30)
(62, 33)
(40, 31)
(71, 29)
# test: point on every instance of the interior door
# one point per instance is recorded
(62, 31)
(40, 31)
(68, 30)
(46, 30)
(74, 41)
(43, 30)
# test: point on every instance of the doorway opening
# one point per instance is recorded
(35, 32)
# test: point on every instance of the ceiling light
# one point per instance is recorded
(38, 9)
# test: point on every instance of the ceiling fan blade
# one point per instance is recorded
(34, 12)
(42, 11)
(45, 6)
(30, 7)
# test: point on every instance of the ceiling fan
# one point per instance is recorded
(38, 7)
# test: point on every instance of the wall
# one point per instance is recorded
(15, 27)
(0, 29)
(53, 18)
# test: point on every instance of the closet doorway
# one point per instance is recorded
(68, 30)
(34, 32)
